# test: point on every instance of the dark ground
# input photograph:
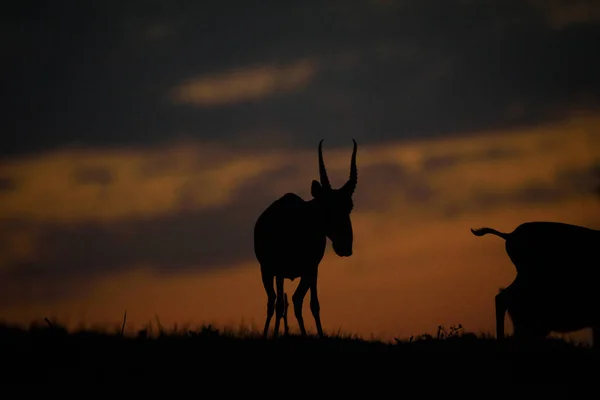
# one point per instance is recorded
(52, 356)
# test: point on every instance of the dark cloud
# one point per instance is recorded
(437, 162)
(532, 193)
(69, 255)
(100, 73)
(157, 166)
(93, 175)
(580, 180)
(380, 185)
(567, 184)
(7, 184)
(413, 187)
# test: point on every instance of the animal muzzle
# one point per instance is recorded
(342, 251)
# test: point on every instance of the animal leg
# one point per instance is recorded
(297, 299)
(286, 328)
(279, 305)
(268, 284)
(315, 307)
(502, 299)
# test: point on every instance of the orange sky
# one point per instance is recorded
(415, 263)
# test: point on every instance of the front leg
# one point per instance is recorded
(502, 300)
(298, 299)
(286, 328)
(279, 304)
(315, 307)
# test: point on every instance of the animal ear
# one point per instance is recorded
(316, 189)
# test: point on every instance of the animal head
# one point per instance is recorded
(336, 205)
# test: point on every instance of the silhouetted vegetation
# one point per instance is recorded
(49, 352)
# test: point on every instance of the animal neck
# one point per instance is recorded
(318, 214)
(315, 207)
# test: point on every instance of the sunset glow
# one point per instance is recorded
(139, 191)
(415, 264)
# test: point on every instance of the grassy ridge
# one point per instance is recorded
(51, 353)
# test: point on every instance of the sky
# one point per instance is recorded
(142, 139)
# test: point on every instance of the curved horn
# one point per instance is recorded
(350, 186)
(322, 171)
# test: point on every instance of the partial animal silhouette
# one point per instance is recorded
(555, 288)
(290, 237)
(530, 320)
(534, 317)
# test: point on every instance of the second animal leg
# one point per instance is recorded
(298, 299)
(286, 328)
(279, 305)
(315, 307)
(268, 284)
(501, 301)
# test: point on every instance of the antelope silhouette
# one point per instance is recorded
(555, 288)
(290, 237)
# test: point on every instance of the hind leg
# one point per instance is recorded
(529, 314)
(279, 305)
(267, 280)
(502, 301)
(315, 307)
(286, 327)
(298, 299)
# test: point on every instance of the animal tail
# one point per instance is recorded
(485, 231)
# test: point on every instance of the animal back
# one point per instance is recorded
(288, 232)
(564, 250)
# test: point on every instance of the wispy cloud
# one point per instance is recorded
(7, 184)
(93, 175)
(245, 84)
